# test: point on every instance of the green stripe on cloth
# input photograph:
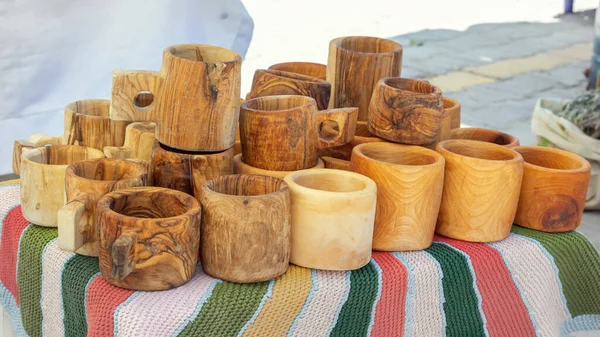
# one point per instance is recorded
(578, 267)
(76, 275)
(463, 317)
(227, 310)
(29, 276)
(355, 316)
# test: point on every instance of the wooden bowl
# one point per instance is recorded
(453, 107)
(485, 135)
(304, 68)
(239, 167)
(554, 189)
(482, 182)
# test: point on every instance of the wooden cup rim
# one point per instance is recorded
(452, 103)
(174, 51)
(368, 187)
(237, 160)
(390, 83)
(458, 133)
(72, 108)
(308, 101)
(25, 156)
(338, 42)
(359, 151)
(207, 188)
(292, 76)
(142, 127)
(445, 148)
(286, 66)
(139, 168)
(584, 165)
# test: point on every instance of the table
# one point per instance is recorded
(531, 283)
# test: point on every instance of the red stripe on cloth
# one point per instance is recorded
(102, 301)
(503, 307)
(390, 311)
(13, 226)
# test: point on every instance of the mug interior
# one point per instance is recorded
(556, 160)
(330, 182)
(152, 204)
(203, 53)
(416, 86)
(367, 44)
(91, 107)
(107, 170)
(247, 185)
(277, 103)
(61, 154)
(479, 150)
(397, 154)
(484, 135)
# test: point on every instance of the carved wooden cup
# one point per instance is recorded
(406, 111)
(485, 135)
(409, 192)
(354, 66)
(554, 189)
(187, 171)
(482, 182)
(149, 237)
(333, 213)
(239, 167)
(246, 230)
(276, 82)
(453, 107)
(43, 179)
(303, 68)
(194, 99)
(285, 133)
(86, 182)
(139, 138)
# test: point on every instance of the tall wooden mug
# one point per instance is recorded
(246, 228)
(148, 237)
(195, 98)
(409, 192)
(482, 182)
(86, 182)
(285, 133)
(43, 179)
(354, 66)
(333, 214)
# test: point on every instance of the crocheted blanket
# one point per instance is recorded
(532, 283)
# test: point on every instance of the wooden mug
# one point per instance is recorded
(43, 179)
(284, 133)
(268, 82)
(303, 68)
(354, 66)
(554, 188)
(148, 237)
(333, 213)
(139, 138)
(246, 228)
(453, 107)
(86, 182)
(485, 135)
(187, 171)
(409, 192)
(405, 111)
(195, 98)
(239, 167)
(482, 182)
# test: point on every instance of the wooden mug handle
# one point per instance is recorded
(345, 118)
(40, 139)
(73, 224)
(123, 152)
(122, 251)
(127, 86)
(19, 147)
(336, 163)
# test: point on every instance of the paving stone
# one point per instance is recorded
(582, 51)
(427, 51)
(459, 80)
(500, 114)
(513, 67)
(526, 85)
(427, 35)
(416, 73)
(570, 75)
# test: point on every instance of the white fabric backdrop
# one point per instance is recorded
(57, 51)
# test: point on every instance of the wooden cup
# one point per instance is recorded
(285, 133)
(303, 68)
(333, 212)
(139, 138)
(405, 111)
(187, 171)
(482, 182)
(246, 230)
(86, 182)
(43, 179)
(354, 66)
(239, 167)
(275, 82)
(554, 188)
(409, 192)
(485, 135)
(195, 98)
(453, 107)
(149, 238)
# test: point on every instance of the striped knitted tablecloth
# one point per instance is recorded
(532, 283)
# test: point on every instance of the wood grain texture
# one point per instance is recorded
(336, 163)
(197, 103)
(268, 82)
(445, 129)
(354, 66)
(187, 171)
(453, 107)
(554, 188)
(86, 182)
(405, 111)
(19, 147)
(246, 228)
(482, 182)
(148, 237)
(409, 192)
(43, 180)
(239, 167)
(284, 133)
(361, 136)
(485, 135)
(333, 213)
(311, 69)
(139, 139)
